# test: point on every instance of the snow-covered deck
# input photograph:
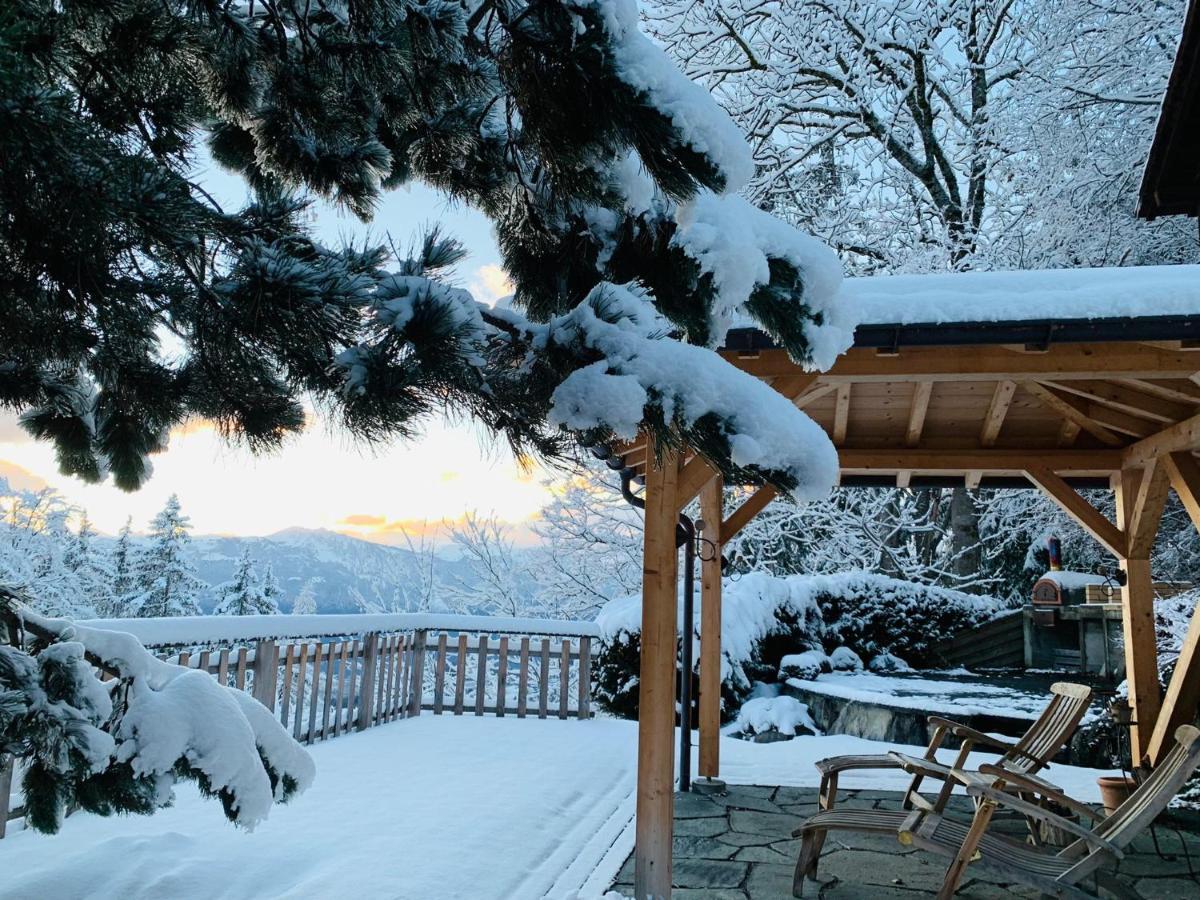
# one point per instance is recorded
(437, 806)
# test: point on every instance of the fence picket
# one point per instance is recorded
(352, 697)
(502, 677)
(416, 688)
(523, 683)
(460, 675)
(481, 674)
(318, 647)
(328, 702)
(223, 667)
(300, 673)
(341, 689)
(367, 690)
(439, 678)
(585, 678)
(287, 684)
(564, 678)
(240, 678)
(205, 655)
(544, 679)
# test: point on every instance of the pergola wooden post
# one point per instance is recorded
(656, 687)
(711, 512)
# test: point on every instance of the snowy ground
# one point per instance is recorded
(439, 806)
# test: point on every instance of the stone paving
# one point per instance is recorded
(738, 845)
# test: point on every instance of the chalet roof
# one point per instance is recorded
(1171, 180)
(1018, 307)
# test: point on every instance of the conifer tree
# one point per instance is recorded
(306, 600)
(167, 584)
(243, 594)
(270, 591)
(123, 564)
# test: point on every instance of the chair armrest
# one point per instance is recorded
(967, 733)
(1033, 811)
(1041, 787)
(915, 765)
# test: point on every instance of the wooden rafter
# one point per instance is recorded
(1184, 392)
(1070, 412)
(751, 507)
(1128, 400)
(814, 393)
(841, 414)
(1085, 515)
(795, 386)
(1184, 472)
(1105, 416)
(993, 420)
(922, 391)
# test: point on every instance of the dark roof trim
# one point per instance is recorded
(1034, 332)
(996, 482)
(1171, 179)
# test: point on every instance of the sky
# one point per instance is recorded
(321, 479)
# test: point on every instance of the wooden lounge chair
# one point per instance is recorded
(1060, 874)
(1067, 872)
(1026, 756)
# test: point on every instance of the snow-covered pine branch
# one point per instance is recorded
(596, 159)
(120, 746)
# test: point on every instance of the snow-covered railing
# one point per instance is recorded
(327, 675)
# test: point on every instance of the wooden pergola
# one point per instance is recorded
(1063, 405)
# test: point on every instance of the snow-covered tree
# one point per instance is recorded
(306, 600)
(271, 591)
(934, 134)
(244, 594)
(91, 567)
(591, 544)
(36, 552)
(166, 581)
(123, 565)
(499, 581)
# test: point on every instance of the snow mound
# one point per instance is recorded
(787, 715)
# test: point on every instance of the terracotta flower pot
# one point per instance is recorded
(1114, 790)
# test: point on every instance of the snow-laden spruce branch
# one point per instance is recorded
(120, 745)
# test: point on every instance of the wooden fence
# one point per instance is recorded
(336, 679)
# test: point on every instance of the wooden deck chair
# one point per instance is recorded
(1081, 869)
(1026, 756)
(1058, 874)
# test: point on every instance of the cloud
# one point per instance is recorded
(20, 479)
(11, 431)
(490, 284)
(363, 520)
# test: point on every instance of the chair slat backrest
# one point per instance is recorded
(1152, 796)
(1052, 730)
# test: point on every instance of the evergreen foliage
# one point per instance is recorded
(556, 118)
(245, 594)
(166, 581)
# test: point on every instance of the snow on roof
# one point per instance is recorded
(1023, 295)
(1071, 581)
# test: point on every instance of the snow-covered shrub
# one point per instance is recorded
(785, 715)
(888, 662)
(807, 665)
(120, 746)
(843, 659)
(765, 619)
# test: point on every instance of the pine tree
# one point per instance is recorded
(124, 582)
(91, 568)
(243, 594)
(306, 600)
(166, 581)
(599, 164)
(270, 591)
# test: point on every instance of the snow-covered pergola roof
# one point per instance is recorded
(1060, 380)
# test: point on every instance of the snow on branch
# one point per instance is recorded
(713, 405)
(739, 245)
(129, 740)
